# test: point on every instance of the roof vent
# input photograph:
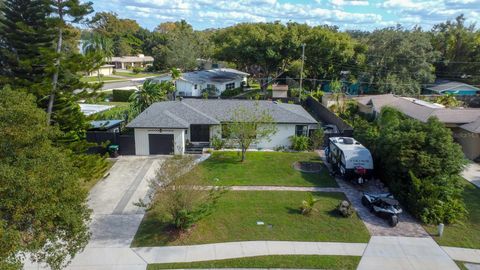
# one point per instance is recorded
(348, 141)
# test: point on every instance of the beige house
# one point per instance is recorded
(279, 90)
(464, 123)
(105, 70)
(126, 62)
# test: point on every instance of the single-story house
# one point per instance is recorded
(204, 64)
(125, 62)
(279, 90)
(167, 127)
(464, 122)
(451, 87)
(193, 83)
(106, 125)
(105, 70)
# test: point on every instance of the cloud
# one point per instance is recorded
(347, 14)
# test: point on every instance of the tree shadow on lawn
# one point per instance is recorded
(155, 231)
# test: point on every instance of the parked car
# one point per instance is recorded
(383, 205)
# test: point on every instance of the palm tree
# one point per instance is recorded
(98, 44)
(149, 93)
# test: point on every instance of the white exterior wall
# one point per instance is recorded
(189, 88)
(281, 138)
(142, 144)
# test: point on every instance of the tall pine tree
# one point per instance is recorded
(25, 39)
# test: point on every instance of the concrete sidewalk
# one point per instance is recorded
(233, 250)
(387, 252)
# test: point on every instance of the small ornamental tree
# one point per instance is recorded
(248, 126)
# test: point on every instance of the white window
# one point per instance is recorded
(229, 86)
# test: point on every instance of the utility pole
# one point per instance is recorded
(301, 71)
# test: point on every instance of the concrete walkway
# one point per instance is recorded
(472, 173)
(280, 188)
(392, 253)
(232, 250)
(463, 254)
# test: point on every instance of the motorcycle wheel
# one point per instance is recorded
(393, 220)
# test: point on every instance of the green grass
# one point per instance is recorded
(262, 168)
(236, 215)
(284, 261)
(115, 103)
(461, 265)
(467, 234)
(94, 79)
(139, 75)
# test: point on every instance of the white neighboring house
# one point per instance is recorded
(125, 62)
(191, 84)
(166, 127)
(105, 70)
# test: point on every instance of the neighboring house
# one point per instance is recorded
(126, 62)
(191, 84)
(451, 87)
(105, 70)
(463, 122)
(279, 90)
(166, 127)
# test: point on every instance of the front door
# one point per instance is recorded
(199, 133)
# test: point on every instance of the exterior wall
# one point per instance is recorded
(279, 93)
(215, 130)
(469, 141)
(105, 71)
(142, 144)
(281, 138)
(189, 88)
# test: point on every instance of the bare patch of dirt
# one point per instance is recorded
(308, 167)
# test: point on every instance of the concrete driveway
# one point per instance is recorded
(472, 173)
(115, 218)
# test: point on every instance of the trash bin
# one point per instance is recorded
(113, 150)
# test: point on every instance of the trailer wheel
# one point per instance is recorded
(393, 220)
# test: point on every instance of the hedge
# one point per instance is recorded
(122, 95)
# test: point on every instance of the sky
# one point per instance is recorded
(347, 14)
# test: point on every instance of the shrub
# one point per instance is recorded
(317, 139)
(308, 204)
(300, 143)
(232, 92)
(419, 162)
(122, 95)
(345, 209)
(217, 143)
(181, 204)
(137, 70)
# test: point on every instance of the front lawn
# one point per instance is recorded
(285, 261)
(465, 235)
(94, 79)
(138, 75)
(237, 213)
(262, 168)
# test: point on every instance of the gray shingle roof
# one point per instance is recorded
(448, 85)
(421, 110)
(473, 127)
(180, 114)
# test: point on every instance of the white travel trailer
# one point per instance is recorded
(350, 159)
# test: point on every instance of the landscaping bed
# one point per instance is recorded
(263, 168)
(467, 233)
(237, 213)
(284, 261)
